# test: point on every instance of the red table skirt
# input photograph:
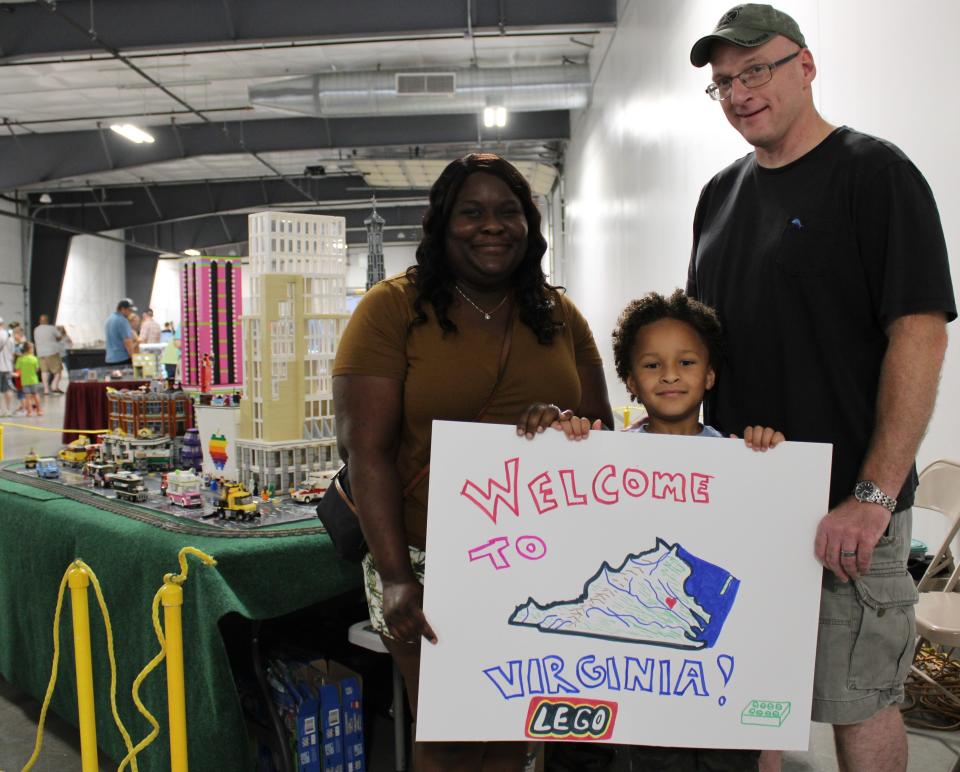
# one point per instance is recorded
(87, 407)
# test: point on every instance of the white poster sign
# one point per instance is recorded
(218, 426)
(640, 589)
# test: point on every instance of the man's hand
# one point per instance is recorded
(847, 536)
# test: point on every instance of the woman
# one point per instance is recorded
(428, 345)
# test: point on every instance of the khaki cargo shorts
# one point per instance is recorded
(51, 364)
(373, 586)
(866, 640)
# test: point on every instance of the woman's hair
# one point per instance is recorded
(653, 307)
(432, 277)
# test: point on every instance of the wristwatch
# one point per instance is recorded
(867, 492)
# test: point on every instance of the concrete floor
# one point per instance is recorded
(929, 751)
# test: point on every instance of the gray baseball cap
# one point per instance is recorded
(748, 26)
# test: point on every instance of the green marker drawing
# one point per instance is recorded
(765, 712)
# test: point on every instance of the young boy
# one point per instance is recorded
(667, 351)
(28, 365)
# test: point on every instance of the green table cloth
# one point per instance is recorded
(41, 533)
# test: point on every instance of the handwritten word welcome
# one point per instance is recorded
(566, 487)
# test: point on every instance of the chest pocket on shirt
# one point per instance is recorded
(807, 248)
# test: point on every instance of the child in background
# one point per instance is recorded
(28, 365)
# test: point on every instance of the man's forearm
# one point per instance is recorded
(907, 392)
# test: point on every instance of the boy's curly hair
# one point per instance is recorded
(653, 307)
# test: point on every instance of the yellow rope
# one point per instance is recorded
(161, 655)
(930, 708)
(58, 431)
(56, 659)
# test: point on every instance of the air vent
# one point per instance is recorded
(420, 83)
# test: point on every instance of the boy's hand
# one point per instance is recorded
(761, 438)
(575, 427)
(538, 417)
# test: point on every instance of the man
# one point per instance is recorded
(822, 252)
(46, 340)
(6, 369)
(149, 328)
(121, 344)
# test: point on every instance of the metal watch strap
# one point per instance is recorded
(879, 497)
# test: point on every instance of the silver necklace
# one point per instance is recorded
(486, 314)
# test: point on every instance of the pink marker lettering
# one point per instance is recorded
(700, 487)
(674, 484)
(493, 549)
(569, 483)
(496, 493)
(541, 492)
(600, 491)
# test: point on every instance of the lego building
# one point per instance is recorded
(297, 313)
(161, 413)
(211, 305)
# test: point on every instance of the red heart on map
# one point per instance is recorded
(671, 602)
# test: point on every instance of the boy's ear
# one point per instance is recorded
(711, 378)
(632, 387)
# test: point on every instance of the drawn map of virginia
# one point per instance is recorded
(662, 597)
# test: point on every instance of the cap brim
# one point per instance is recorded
(739, 36)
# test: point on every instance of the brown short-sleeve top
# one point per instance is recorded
(449, 377)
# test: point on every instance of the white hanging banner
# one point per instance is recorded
(629, 588)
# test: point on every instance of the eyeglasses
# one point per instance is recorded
(754, 76)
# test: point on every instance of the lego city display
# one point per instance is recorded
(191, 452)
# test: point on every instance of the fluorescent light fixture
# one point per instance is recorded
(45, 198)
(132, 133)
(192, 252)
(494, 116)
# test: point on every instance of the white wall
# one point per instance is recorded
(11, 266)
(165, 298)
(93, 283)
(651, 138)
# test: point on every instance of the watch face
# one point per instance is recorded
(864, 490)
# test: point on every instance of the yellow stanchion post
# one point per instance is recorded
(79, 581)
(171, 596)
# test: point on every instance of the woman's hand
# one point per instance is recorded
(761, 438)
(538, 417)
(403, 611)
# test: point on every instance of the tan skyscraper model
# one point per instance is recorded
(297, 314)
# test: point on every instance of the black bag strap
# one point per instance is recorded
(501, 369)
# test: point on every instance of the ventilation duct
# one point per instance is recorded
(428, 92)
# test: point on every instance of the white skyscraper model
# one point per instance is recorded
(296, 316)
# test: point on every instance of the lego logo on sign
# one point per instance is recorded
(565, 719)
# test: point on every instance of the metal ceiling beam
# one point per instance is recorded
(205, 232)
(143, 204)
(31, 158)
(29, 30)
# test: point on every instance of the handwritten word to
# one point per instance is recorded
(551, 490)
(562, 719)
(549, 675)
(529, 547)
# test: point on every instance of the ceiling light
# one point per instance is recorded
(133, 133)
(494, 116)
(192, 252)
(45, 198)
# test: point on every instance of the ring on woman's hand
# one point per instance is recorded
(848, 553)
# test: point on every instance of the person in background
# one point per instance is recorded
(121, 342)
(823, 253)
(19, 338)
(29, 366)
(166, 334)
(46, 340)
(65, 343)
(170, 357)
(472, 332)
(6, 370)
(149, 328)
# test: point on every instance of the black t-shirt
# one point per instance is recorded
(806, 266)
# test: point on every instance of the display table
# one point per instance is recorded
(87, 407)
(255, 576)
